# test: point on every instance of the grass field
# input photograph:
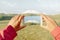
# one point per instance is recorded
(33, 32)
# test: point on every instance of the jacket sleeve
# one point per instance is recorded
(8, 34)
(56, 33)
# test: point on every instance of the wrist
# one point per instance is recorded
(51, 29)
(13, 27)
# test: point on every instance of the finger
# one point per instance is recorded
(15, 18)
(44, 17)
(21, 27)
(21, 18)
(48, 19)
(45, 27)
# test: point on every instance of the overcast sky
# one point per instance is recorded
(18, 6)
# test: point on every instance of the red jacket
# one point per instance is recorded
(56, 33)
(10, 33)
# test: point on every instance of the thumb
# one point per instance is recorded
(45, 27)
(21, 27)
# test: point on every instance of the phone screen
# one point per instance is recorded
(33, 20)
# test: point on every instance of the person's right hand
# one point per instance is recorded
(50, 23)
(16, 21)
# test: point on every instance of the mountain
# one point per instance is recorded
(31, 12)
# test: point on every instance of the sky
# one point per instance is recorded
(18, 6)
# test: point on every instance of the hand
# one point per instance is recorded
(50, 23)
(16, 21)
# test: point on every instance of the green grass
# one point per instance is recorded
(3, 24)
(33, 32)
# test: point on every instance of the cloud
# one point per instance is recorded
(49, 6)
(6, 6)
(6, 3)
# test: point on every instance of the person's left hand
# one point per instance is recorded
(50, 23)
(15, 22)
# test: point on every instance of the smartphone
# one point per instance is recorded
(32, 20)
